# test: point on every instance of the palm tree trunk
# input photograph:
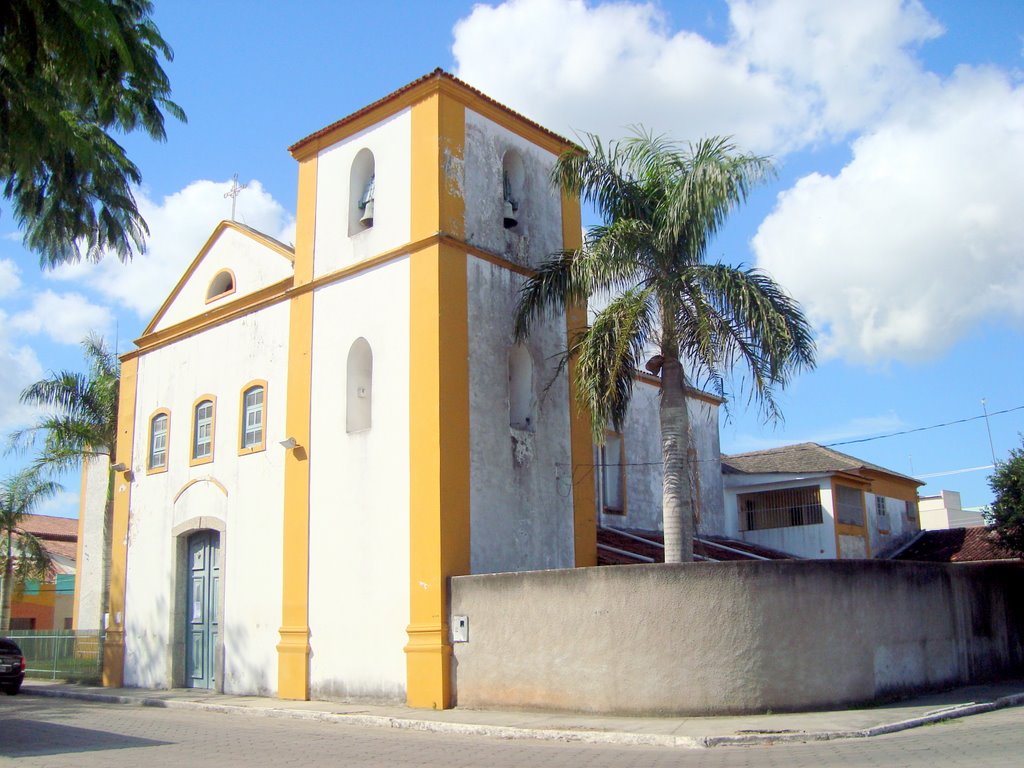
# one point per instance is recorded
(5, 600)
(677, 505)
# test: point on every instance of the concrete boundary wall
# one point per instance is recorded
(721, 638)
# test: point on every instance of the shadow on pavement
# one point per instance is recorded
(24, 738)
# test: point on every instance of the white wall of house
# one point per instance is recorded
(359, 491)
(890, 529)
(339, 241)
(811, 541)
(944, 511)
(219, 362)
(253, 265)
(643, 472)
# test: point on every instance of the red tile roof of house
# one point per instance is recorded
(629, 547)
(955, 545)
(50, 528)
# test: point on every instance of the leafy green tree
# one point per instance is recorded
(661, 204)
(1006, 514)
(79, 424)
(73, 74)
(22, 553)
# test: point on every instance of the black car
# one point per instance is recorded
(12, 666)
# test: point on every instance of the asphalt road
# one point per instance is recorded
(37, 731)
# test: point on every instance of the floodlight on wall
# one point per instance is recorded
(119, 467)
(288, 443)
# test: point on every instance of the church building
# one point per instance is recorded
(313, 439)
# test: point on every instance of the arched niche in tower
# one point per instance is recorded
(359, 387)
(362, 189)
(522, 405)
(513, 180)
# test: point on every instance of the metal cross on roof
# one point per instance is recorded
(234, 192)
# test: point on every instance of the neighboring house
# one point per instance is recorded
(48, 603)
(815, 502)
(944, 511)
(954, 545)
(316, 437)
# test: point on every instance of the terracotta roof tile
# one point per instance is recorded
(955, 545)
(48, 527)
(628, 546)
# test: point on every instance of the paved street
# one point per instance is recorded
(37, 731)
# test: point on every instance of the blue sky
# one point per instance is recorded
(897, 129)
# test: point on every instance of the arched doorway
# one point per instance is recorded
(202, 612)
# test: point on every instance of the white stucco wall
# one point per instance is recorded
(892, 530)
(219, 361)
(811, 541)
(644, 470)
(391, 145)
(254, 266)
(359, 491)
(521, 508)
(539, 232)
(89, 566)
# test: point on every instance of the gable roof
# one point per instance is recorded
(275, 245)
(397, 99)
(58, 535)
(954, 545)
(802, 457)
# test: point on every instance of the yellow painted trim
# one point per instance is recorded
(893, 487)
(243, 449)
(193, 461)
(581, 442)
(454, 92)
(151, 470)
(113, 646)
(284, 291)
(439, 481)
(240, 307)
(293, 650)
(845, 529)
(222, 294)
(217, 232)
(213, 481)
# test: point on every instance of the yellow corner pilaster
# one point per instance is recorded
(438, 401)
(293, 649)
(581, 441)
(113, 646)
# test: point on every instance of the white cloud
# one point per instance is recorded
(179, 225)
(789, 74)
(9, 280)
(920, 236)
(66, 318)
(19, 367)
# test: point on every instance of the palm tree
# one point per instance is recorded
(22, 553)
(661, 204)
(80, 424)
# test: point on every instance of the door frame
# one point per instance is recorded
(181, 577)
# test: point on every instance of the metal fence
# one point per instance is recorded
(61, 654)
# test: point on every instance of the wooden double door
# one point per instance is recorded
(202, 609)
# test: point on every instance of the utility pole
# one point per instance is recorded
(990, 446)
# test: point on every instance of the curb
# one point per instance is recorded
(620, 738)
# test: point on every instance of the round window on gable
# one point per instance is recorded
(222, 284)
(513, 176)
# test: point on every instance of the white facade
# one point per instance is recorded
(252, 317)
(944, 511)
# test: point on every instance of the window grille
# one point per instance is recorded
(780, 509)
